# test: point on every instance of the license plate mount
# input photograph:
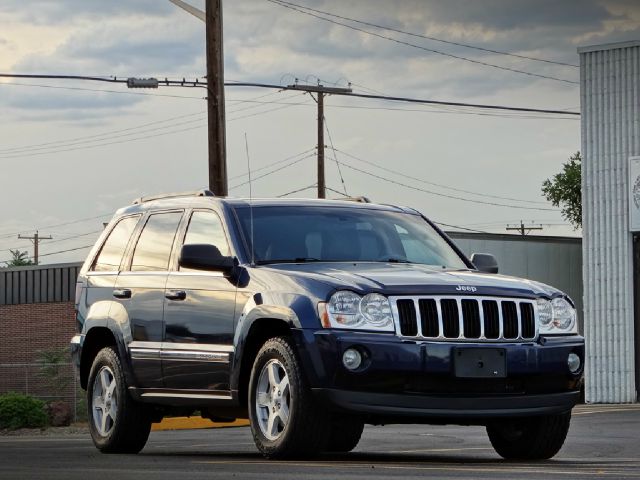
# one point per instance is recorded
(480, 362)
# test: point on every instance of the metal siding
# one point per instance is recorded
(29, 293)
(15, 281)
(36, 286)
(609, 91)
(65, 284)
(554, 261)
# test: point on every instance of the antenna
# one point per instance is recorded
(246, 146)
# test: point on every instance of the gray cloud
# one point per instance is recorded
(62, 11)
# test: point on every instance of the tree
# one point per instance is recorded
(564, 190)
(19, 259)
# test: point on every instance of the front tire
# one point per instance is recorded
(535, 438)
(286, 421)
(345, 434)
(117, 423)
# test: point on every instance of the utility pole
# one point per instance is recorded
(215, 99)
(523, 229)
(321, 90)
(36, 238)
(321, 182)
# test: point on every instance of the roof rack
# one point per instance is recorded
(360, 199)
(196, 193)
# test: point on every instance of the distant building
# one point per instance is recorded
(610, 106)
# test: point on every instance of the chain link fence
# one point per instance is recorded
(49, 382)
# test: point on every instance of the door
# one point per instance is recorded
(140, 289)
(199, 317)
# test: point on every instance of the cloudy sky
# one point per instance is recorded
(73, 152)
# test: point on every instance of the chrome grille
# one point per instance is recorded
(465, 318)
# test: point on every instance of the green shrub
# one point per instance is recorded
(21, 411)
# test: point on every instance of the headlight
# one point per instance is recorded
(556, 316)
(351, 311)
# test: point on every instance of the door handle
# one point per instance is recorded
(175, 294)
(122, 293)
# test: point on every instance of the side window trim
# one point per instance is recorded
(133, 235)
(132, 246)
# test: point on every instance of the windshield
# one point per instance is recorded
(338, 234)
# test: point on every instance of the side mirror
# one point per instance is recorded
(202, 256)
(485, 262)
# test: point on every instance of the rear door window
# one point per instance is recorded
(112, 251)
(153, 249)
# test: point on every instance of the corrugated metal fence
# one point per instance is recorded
(38, 284)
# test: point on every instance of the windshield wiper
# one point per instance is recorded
(289, 260)
(395, 260)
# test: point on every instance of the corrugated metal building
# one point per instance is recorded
(610, 106)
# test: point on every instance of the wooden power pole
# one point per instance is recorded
(36, 238)
(524, 230)
(321, 90)
(215, 99)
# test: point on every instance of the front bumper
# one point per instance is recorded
(400, 408)
(406, 380)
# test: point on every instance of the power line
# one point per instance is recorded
(306, 152)
(272, 171)
(178, 83)
(120, 92)
(382, 27)
(99, 137)
(437, 184)
(458, 112)
(326, 126)
(169, 132)
(413, 45)
(412, 100)
(66, 239)
(297, 190)
(453, 197)
(71, 222)
(457, 226)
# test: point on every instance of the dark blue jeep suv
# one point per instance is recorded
(313, 318)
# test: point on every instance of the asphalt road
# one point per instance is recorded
(604, 442)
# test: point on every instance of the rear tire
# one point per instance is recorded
(117, 423)
(535, 438)
(345, 434)
(286, 420)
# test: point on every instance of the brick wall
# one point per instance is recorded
(25, 331)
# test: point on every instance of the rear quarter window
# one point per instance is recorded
(112, 250)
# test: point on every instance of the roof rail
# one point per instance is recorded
(360, 199)
(196, 193)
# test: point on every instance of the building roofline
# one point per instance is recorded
(511, 237)
(609, 46)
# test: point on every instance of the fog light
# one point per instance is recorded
(573, 362)
(351, 359)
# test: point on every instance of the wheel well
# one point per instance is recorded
(261, 331)
(97, 338)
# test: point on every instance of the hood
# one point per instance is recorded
(415, 279)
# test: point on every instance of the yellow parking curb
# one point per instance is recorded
(188, 423)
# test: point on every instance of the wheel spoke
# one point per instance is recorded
(274, 376)
(284, 413)
(263, 399)
(104, 381)
(284, 385)
(272, 426)
(111, 388)
(98, 403)
(103, 423)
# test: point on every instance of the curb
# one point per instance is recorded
(190, 423)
